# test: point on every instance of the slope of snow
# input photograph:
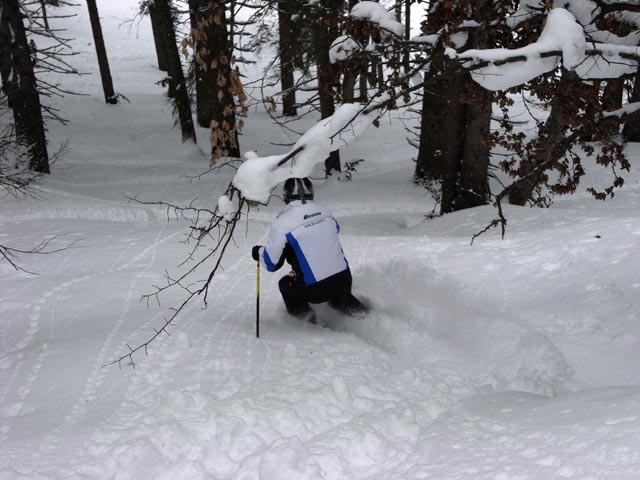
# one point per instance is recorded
(508, 359)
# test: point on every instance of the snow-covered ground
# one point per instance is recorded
(509, 359)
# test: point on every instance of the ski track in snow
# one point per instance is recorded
(220, 355)
(222, 341)
(14, 356)
(48, 303)
(26, 370)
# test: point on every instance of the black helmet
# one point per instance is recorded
(297, 189)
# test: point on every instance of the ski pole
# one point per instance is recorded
(258, 299)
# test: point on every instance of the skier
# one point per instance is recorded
(305, 234)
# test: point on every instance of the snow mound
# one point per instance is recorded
(430, 319)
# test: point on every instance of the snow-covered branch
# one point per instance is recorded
(624, 112)
(257, 176)
(376, 13)
(562, 39)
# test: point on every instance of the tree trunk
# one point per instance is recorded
(612, 100)
(5, 53)
(455, 125)
(217, 84)
(324, 32)
(454, 134)
(363, 84)
(349, 86)
(550, 138)
(204, 52)
(159, 39)
(406, 60)
(352, 69)
(105, 73)
(473, 188)
(287, 80)
(20, 85)
(174, 69)
(442, 133)
(554, 131)
(631, 130)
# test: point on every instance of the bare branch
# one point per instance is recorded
(203, 224)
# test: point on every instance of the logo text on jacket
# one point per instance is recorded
(311, 215)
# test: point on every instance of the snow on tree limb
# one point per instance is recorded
(376, 13)
(623, 112)
(343, 48)
(257, 176)
(562, 39)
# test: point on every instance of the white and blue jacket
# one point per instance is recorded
(307, 235)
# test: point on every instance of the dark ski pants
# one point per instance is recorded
(336, 290)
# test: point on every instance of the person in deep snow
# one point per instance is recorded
(305, 234)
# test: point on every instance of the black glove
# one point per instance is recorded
(255, 252)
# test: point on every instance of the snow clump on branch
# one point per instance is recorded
(563, 36)
(226, 208)
(257, 176)
(561, 33)
(343, 48)
(376, 13)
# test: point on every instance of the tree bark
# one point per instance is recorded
(5, 53)
(324, 31)
(473, 188)
(103, 62)
(363, 85)
(287, 79)
(550, 137)
(352, 69)
(455, 125)
(612, 100)
(20, 85)
(442, 133)
(454, 139)
(204, 53)
(406, 60)
(159, 39)
(631, 130)
(349, 86)
(217, 84)
(176, 76)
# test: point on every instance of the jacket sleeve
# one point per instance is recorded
(272, 253)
